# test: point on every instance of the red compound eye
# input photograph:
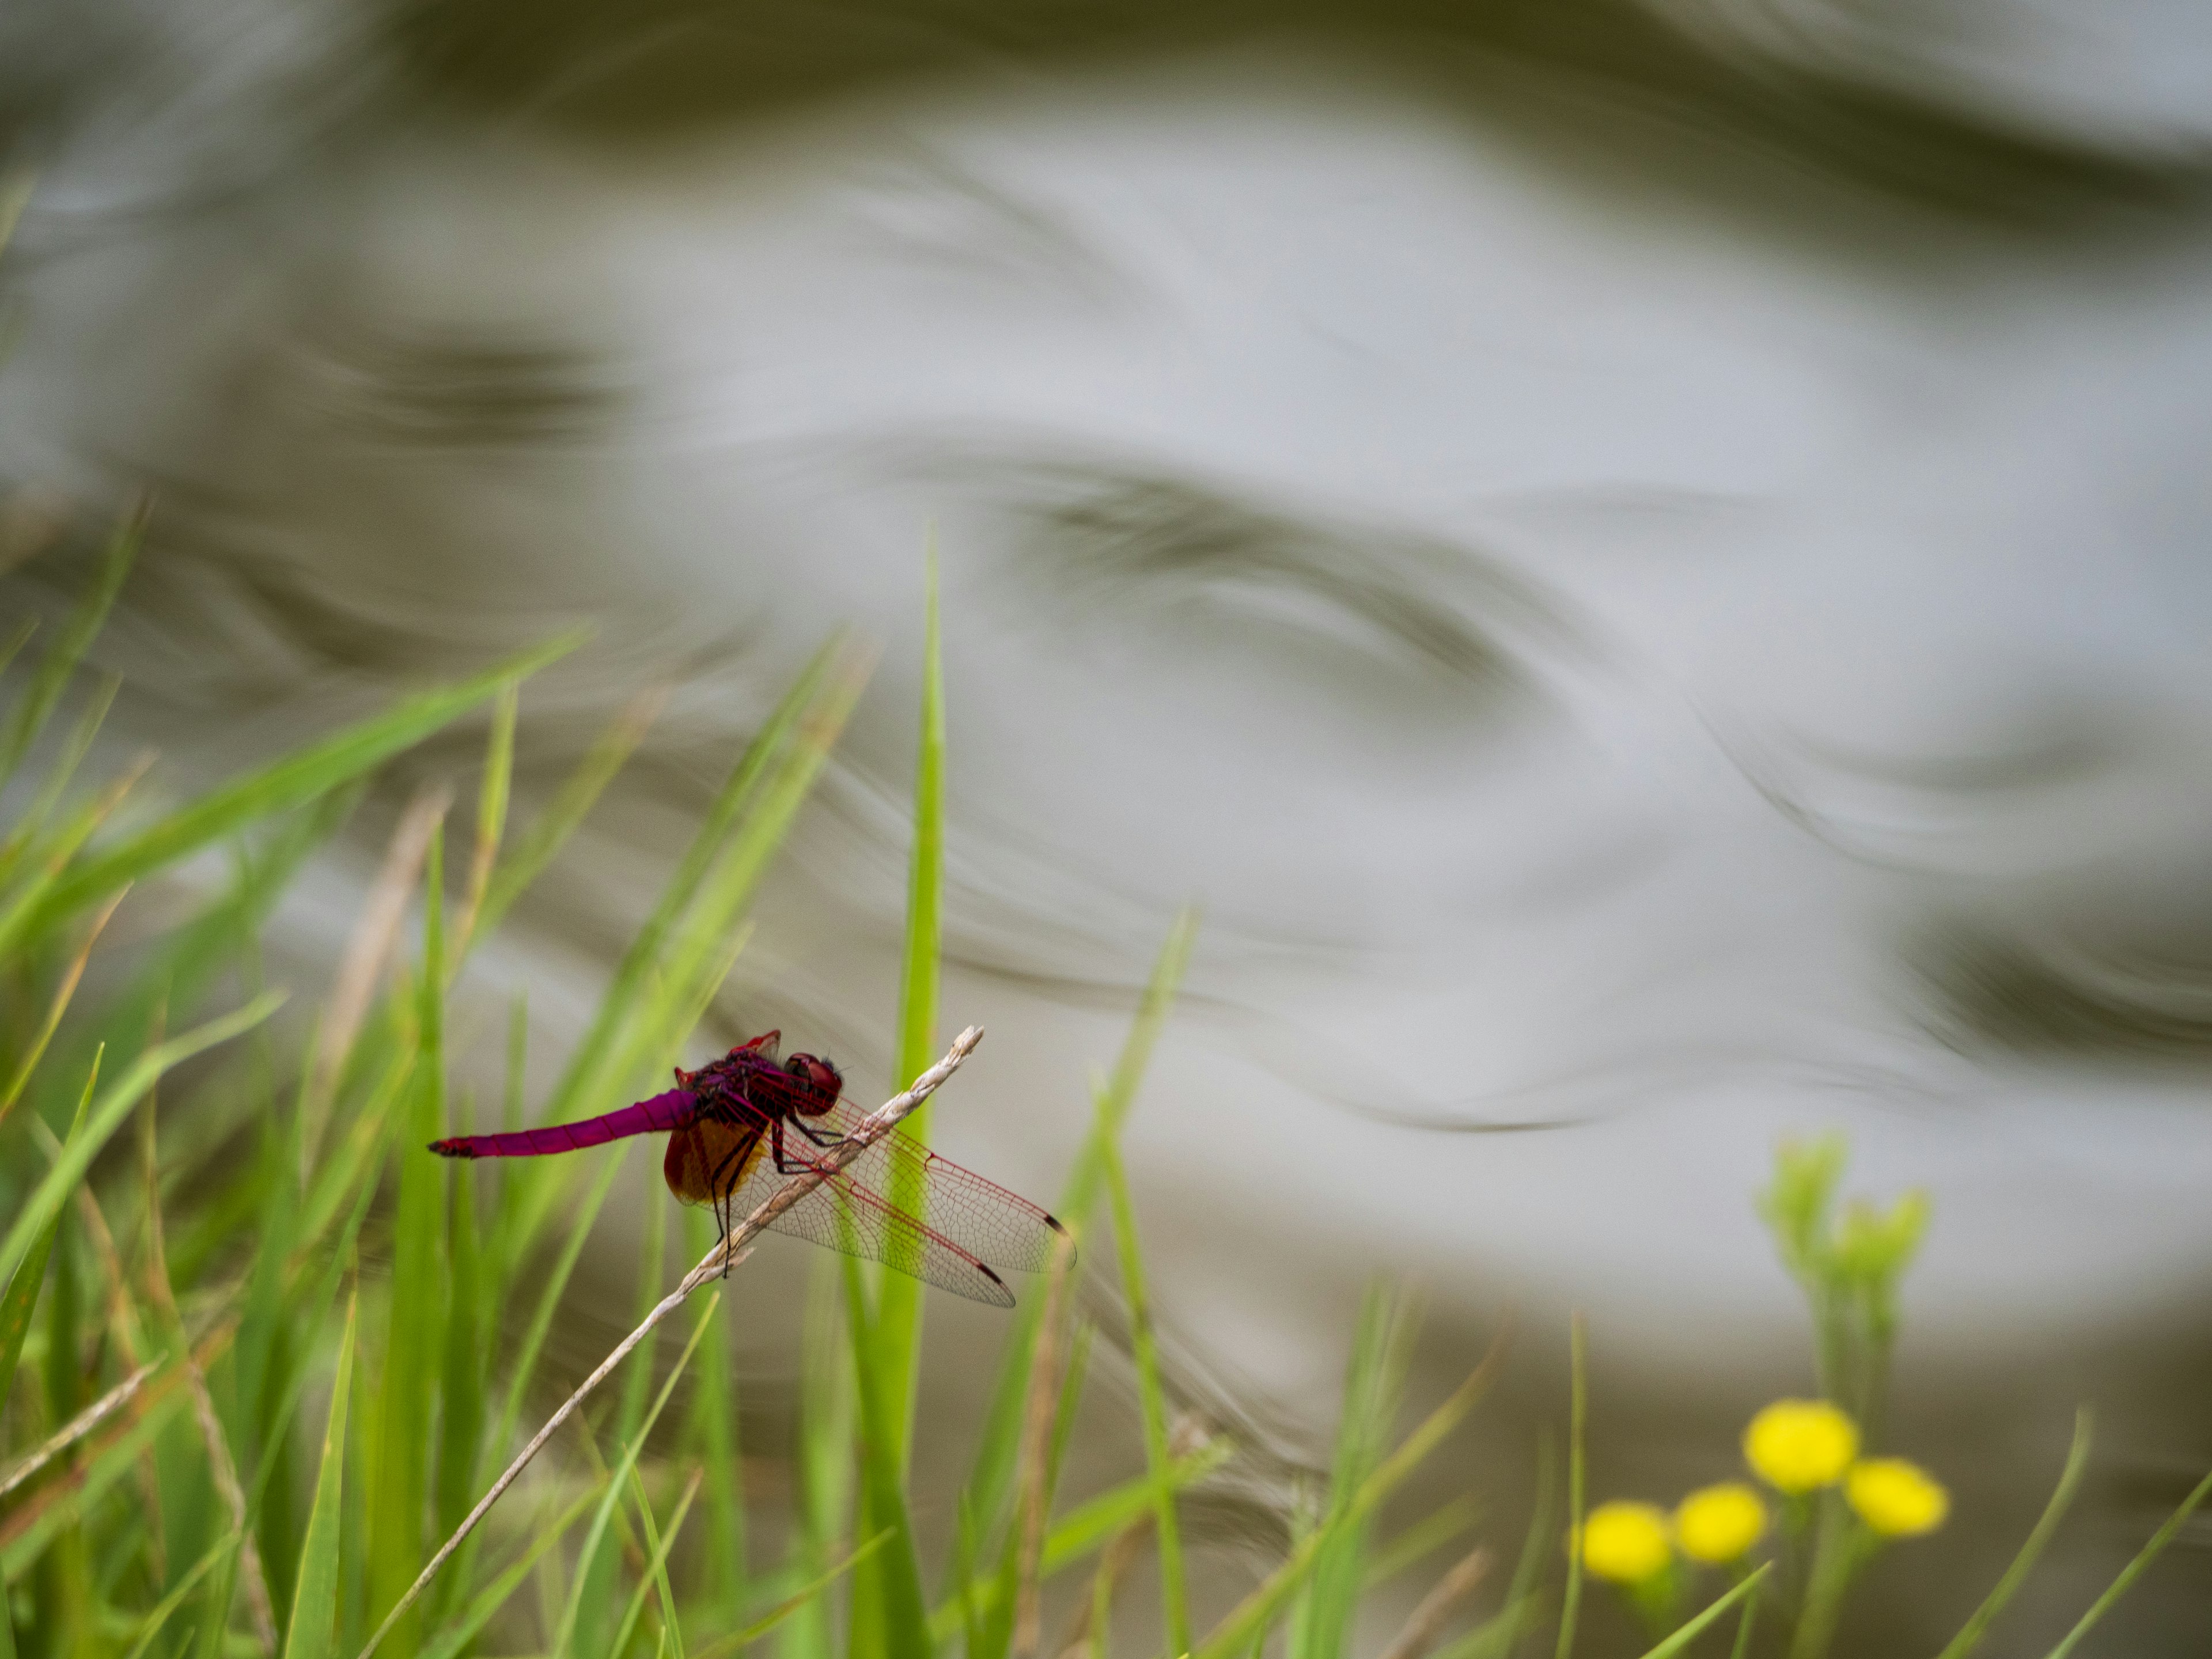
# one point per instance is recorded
(823, 1081)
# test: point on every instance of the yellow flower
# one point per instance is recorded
(1717, 1524)
(1625, 1542)
(1796, 1445)
(1897, 1498)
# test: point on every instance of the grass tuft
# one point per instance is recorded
(282, 1255)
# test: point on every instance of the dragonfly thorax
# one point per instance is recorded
(805, 1085)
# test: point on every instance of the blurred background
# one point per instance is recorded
(1643, 564)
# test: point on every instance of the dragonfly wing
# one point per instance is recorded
(982, 1216)
(845, 1217)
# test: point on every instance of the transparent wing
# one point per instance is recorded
(845, 1216)
(981, 1217)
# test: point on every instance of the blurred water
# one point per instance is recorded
(1644, 565)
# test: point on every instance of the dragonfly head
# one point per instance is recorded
(822, 1082)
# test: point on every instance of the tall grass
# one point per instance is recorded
(259, 1353)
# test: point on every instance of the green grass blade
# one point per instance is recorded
(398, 1498)
(899, 1305)
(68, 647)
(1680, 1640)
(26, 905)
(1175, 1606)
(554, 1286)
(575, 1610)
(461, 1404)
(791, 1605)
(1577, 1418)
(2135, 1569)
(180, 968)
(491, 817)
(63, 770)
(362, 1153)
(1085, 1180)
(21, 1295)
(292, 782)
(895, 1327)
(571, 803)
(106, 1462)
(26, 1064)
(15, 641)
(312, 1308)
(825, 1458)
(115, 1104)
(449, 1641)
(711, 1436)
(646, 1021)
(267, 1337)
(150, 1626)
(655, 1576)
(315, 1595)
(1374, 1382)
(640, 960)
(889, 1616)
(630, 1407)
(990, 1480)
(1541, 1540)
(1257, 1611)
(1093, 1523)
(1420, 1541)
(2061, 1496)
(653, 1251)
(1081, 1531)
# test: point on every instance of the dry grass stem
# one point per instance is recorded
(726, 1254)
(366, 951)
(77, 1427)
(59, 1006)
(1436, 1608)
(1037, 1456)
(1087, 1629)
(220, 1465)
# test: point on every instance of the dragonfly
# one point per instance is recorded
(742, 1125)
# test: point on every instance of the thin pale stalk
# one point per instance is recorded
(221, 1465)
(2135, 1569)
(77, 1427)
(370, 948)
(1435, 1610)
(22, 914)
(1036, 1435)
(491, 819)
(1096, 1613)
(724, 1255)
(2062, 1496)
(1423, 1538)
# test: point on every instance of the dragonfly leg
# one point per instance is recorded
(725, 1198)
(784, 1165)
(810, 1134)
